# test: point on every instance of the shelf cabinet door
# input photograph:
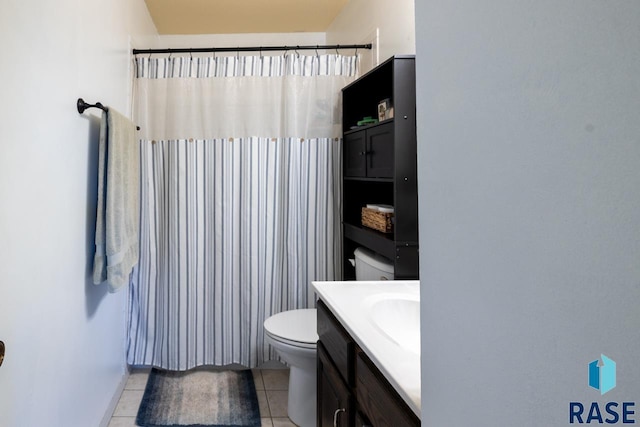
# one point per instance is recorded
(380, 150)
(369, 153)
(355, 154)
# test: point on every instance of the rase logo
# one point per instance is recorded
(602, 377)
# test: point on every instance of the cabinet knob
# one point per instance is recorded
(335, 416)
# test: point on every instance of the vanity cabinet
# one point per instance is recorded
(380, 165)
(351, 390)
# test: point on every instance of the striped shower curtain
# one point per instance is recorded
(240, 190)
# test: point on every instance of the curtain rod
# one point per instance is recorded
(252, 49)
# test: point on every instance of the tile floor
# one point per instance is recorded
(271, 387)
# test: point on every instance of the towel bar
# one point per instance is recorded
(81, 105)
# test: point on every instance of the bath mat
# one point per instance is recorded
(199, 398)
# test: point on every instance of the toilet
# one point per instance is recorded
(294, 335)
(371, 266)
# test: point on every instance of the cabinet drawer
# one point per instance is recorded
(377, 399)
(337, 343)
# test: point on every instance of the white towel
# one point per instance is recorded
(117, 221)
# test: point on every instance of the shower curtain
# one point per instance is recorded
(240, 189)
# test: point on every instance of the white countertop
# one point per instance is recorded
(351, 303)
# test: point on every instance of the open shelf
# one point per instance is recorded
(381, 243)
(365, 127)
(367, 179)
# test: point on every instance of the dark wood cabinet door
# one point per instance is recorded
(380, 151)
(377, 399)
(355, 155)
(334, 398)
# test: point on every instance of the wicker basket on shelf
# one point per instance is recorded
(381, 221)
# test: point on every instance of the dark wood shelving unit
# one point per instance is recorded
(380, 165)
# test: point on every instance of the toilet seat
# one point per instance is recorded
(297, 328)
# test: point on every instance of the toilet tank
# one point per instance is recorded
(371, 266)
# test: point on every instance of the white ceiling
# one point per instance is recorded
(243, 16)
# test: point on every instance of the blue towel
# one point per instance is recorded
(117, 221)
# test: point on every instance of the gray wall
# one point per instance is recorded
(65, 355)
(529, 154)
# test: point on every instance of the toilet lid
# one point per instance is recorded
(295, 326)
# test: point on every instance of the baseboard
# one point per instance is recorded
(106, 419)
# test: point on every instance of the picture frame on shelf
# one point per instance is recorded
(385, 110)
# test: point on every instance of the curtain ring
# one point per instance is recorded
(317, 53)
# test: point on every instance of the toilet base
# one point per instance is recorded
(302, 396)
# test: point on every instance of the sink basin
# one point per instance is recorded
(397, 317)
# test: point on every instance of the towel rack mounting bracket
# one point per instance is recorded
(82, 105)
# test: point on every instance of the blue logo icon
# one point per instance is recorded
(602, 374)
